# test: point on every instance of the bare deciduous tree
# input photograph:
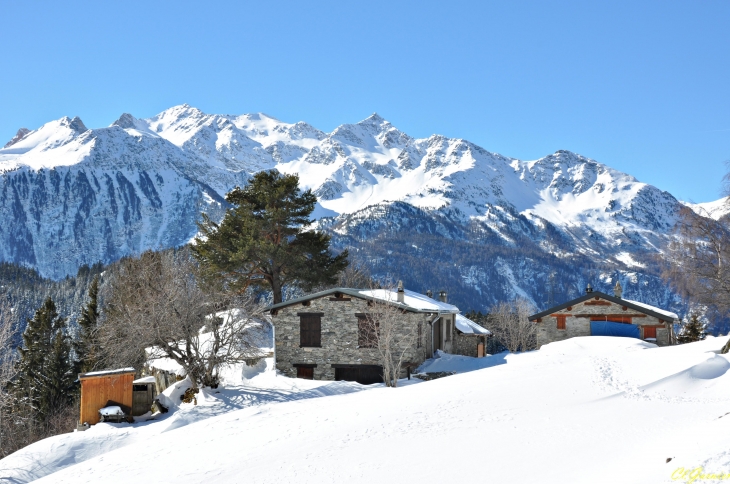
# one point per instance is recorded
(509, 324)
(391, 332)
(157, 309)
(8, 357)
(698, 260)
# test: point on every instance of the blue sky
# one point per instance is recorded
(641, 86)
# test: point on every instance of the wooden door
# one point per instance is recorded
(364, 374)
(437, 336)
(305, 372)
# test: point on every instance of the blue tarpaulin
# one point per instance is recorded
(610, 328)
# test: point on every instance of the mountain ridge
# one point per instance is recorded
(77, 195)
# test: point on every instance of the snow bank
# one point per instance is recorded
(582, 410)
(444, 362)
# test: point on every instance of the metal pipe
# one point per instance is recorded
(273, 335)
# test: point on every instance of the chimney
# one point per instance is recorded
(429, 293)
(618, 290)
(589, 288)
(443, 297)
(401, 292)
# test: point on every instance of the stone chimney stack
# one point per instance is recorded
(443, 297)
(429, 293)
(589, 288)
(618, 290)
(401, 292)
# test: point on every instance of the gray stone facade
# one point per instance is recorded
(466, 345)
(578, 320)
(339, 336)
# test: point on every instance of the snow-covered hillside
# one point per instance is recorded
(592, 409)
(71, 195)
(716, 209)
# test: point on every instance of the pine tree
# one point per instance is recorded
(45, 374)
(86, 346)
(262, 241)
(693, 330)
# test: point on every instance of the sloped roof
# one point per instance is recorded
(412, 301)
(636, 306)
(119, 371)
(467, 326)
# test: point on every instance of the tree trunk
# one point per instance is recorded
(276, 286)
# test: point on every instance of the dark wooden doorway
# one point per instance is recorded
(364, 374)
(306, 372)
(438, 342)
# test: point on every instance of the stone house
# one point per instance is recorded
(321, 336)
(598, 314)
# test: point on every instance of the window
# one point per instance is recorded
(561, 321)
(310, 330)
(649, 332)
(367, 328)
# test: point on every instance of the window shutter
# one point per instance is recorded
(310, 330)
(366, 331)
(649, 332)
(561, 321)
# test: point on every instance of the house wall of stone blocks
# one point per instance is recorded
(578, 321)
(339, 337)
(466, 344)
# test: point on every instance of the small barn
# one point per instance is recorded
(598, 314)
(101, 389)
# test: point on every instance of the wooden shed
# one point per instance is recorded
(100, 389)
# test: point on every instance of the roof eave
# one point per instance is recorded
(601, 295)
(356, 293)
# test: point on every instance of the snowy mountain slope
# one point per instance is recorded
(591, 409)
(716, 209)
(71, 195)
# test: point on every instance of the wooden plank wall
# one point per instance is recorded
(97, 391)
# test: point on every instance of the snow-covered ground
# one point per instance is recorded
(594, 409)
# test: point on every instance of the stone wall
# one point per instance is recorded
(466, 345)
(339, 337)
(578, 321)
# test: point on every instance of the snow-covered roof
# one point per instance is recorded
(411, 299)
(144, 379)
(641, 307)
(666, 313)
(107, 372)
(467, 326)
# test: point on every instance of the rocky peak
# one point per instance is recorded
(77, 125)
(125, 121)
(22, 133)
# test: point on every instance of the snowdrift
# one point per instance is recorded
(583, 410)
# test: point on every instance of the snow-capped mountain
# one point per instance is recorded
(437, 212)
(715, 209)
